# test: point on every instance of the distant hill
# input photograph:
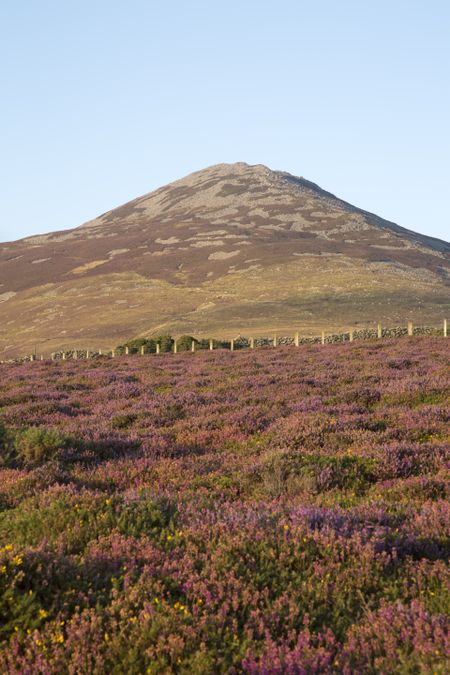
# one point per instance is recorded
(230, 249)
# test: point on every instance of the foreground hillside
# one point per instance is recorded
(232, 249)
(263, 512)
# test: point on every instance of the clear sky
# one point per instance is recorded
(104, 100)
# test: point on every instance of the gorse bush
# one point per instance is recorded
(31, 446)
(267, 511)
(149, 344)
(166, 343)
(184, 343)
(297, 472)
(36, 445)
(3, 435)
(122, 421)
(5, 444)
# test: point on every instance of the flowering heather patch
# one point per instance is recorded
(263, 511)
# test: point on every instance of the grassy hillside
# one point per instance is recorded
(229, 249)
(268, 511)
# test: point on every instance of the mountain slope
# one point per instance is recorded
(228, 249)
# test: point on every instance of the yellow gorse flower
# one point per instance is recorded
(58, 638)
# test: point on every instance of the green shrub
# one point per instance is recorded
(3, 435)
(72, 523)
(7, 453)
(145, 518)
(36, 445)
(17, 609)
(184, 343)
(297, 473)
(122, 421)
(134, 346)
(165, 343)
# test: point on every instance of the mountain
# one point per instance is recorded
(230, 249)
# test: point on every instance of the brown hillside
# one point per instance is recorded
(230, 249)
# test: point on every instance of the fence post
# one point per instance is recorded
(113, 353)
(193, 346)
(350, 335)
(75, 354)
(142, 350)
(296, 339)
(323, 337)
(445, 327)
(275, 340)
(174, 346)
(127, 350)
(232, 345)
(252, 343)
(158, 348)
(410, 327)
(64, 356)
(88, 354)
(379, 330)
(211, 344)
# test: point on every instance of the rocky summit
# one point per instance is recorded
(232, 249)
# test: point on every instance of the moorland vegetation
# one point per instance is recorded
(261, 511)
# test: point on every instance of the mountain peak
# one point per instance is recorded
(238, 167)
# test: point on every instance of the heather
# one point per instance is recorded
(277, 510)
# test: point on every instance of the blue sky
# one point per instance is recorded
(102, 101)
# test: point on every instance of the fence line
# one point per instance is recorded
(252, 342)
